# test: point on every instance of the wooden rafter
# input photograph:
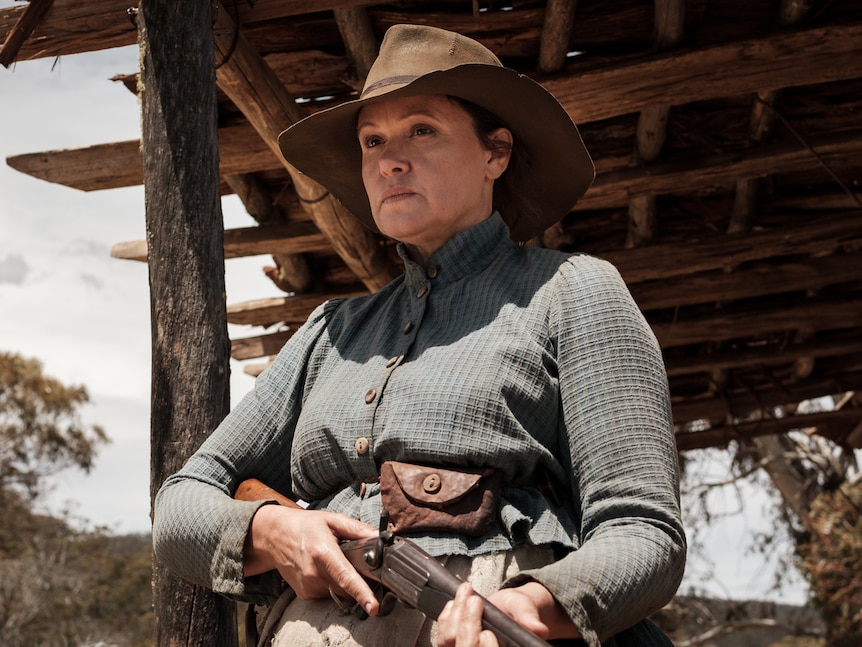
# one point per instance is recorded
(256, 90)
(652, 127)
(803, 57)
(29, 19)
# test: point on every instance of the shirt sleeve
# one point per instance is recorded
(199, 530)
(622, 455)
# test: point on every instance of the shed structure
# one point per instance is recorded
(727, 136)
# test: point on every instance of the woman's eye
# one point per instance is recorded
(422, 130)
(371, 141)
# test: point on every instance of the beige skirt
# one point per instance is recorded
(316, 623)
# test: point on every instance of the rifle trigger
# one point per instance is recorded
(387, 603)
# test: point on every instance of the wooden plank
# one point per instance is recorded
(742, 403)
(668, 260)
(768, 278)
(830, 421)
(291, 272)
(834, 345)
(292, 238)
(290, 310)
(260, 345)
(814, 313)
(74, 27)
(686, 175)
(802, 57)
(110, 166)
(29, 19)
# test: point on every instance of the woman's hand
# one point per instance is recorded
(303, 546)
(531, 605)
(460, 622)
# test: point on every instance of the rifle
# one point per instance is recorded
(406, 571)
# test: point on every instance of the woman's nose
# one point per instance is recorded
(394, 161)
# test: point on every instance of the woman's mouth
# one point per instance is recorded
(395, 194)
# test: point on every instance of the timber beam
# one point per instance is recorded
(74, 26)
(257, 91)
(835, 425)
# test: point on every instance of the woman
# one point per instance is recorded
(530, 366)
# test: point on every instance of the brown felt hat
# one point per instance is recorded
(415, 60)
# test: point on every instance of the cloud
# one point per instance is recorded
(92, 281)
(13, 269)
(80, 247)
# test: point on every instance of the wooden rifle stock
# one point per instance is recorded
(255, 490)
(416, 578)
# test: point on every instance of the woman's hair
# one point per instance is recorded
(508, 200)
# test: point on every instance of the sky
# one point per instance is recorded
(85, 315)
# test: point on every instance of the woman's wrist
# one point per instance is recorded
(551, 612)
(256, 559)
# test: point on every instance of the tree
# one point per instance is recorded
(832, 560)
(61, 585)
(41, 432)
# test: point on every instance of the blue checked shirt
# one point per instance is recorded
(521, 358)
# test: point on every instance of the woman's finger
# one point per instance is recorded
(460, 623)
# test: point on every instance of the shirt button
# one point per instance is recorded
(407, 328)
(392, 361)
(433, 272)
(370, 395)
(361, 445)
(422, 291)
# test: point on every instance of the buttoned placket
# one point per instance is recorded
(418, 290)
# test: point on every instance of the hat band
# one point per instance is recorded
(390, 80)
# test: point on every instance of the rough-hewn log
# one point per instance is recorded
(245, 77)
(556, 33)
(29, 19)
(190, 345)
(735, 323)
(260, 345)
(833, 345)
(292, 272)
(290, 310)
(835, 424)
(111, 166)
(293, 238)
(355, 28)
(614, 189)
(745, 402)
(744, 283)
(792, 59)
(665, 260)
(74, 27)
(651, 130)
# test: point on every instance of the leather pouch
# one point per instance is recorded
(420, 498)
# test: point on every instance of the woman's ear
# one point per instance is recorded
(501, 152)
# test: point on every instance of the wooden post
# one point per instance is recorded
(190, 343)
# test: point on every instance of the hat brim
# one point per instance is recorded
(324, 146)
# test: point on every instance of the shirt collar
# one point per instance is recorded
(468, 252)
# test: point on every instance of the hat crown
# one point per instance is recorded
(410, 51)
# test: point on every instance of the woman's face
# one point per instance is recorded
(427, 174)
